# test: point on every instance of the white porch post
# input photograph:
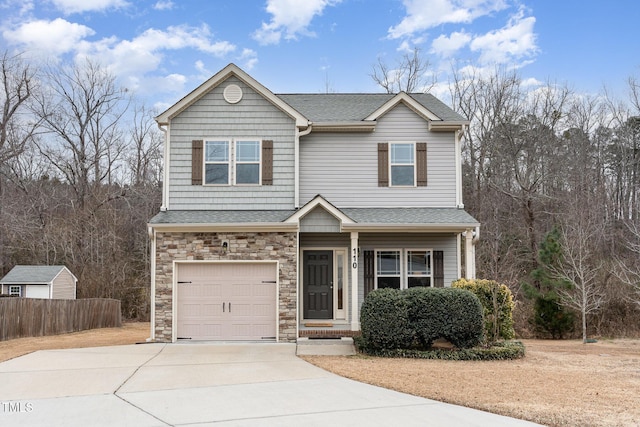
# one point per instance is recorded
(355, 315)
(469, 255)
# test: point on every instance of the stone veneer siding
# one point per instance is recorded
(178, 246)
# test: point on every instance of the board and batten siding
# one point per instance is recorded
(344, 167)
(212, 117)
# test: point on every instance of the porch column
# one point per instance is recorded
(469, 255)
(355, 314)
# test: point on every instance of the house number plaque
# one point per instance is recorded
(355, 258)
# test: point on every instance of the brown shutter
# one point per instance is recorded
(421, 164)
(196, 162)
(267, 162)
(369, 272)
(383, 164)
(438, 269)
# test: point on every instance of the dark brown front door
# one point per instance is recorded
(318, 284)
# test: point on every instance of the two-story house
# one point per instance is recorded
(281, 212)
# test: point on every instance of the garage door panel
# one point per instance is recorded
(246, 291)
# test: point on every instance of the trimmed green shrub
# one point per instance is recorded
(384, 320)
(497, 304)
(504, 350)
(415, 318)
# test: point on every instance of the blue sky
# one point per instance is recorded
(162, 49)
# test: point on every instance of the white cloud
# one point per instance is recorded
(447, 46)
(515, 41)
(164, 5)
(249, 59)
(78, 6)
(290, 18)
(145, 52)
(425, 14)
(48, 37)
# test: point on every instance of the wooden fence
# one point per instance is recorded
(32, 317)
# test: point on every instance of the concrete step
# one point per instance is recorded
(325, 347)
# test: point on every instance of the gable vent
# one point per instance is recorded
(232, 94)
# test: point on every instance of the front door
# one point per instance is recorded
(318, 284)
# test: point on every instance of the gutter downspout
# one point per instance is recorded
(459, 134)
(152, 275)
(305, 132)
(165, 171)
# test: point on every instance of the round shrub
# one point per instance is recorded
(415, 318)
(384, 320)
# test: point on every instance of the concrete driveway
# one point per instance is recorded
(205, 384)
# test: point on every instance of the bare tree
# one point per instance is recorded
(581, 268)
(144, 156)
(410, 74)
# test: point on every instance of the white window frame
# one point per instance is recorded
(12, 290)
(392, 164)
(404, 273)
(232, 161)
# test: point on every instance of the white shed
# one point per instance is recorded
(40, 281)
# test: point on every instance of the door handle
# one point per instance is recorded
(229, 307)
(223, 307)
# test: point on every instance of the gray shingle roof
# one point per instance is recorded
(391, 216)
(31, 274)
(221, 217)
(345, 107)
(427, 216)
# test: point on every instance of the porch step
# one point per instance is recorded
(325, 346)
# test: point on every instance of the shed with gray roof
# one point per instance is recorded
(40, 281)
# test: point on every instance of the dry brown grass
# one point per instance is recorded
(558, 383)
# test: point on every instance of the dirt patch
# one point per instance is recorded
(129, 333)
(558, 383)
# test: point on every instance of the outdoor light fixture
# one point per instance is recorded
(225, 246)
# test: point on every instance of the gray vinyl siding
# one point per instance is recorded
(319, 221)
(437, 242)
(212, 117)
(343, 168)
(373, 241)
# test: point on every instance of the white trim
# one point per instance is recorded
(221, 76)
(345, 276)
(174, 289)
(414, 164)
(231, 226)
(458, 160)
(355, 308)
(152, 313)
(314, 203)
(409, 102)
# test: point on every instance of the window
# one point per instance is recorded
(402, 165)
(388, 269)
(247, 162)
(15, 291)
(418, 268)
(216, 162)
(232, 162)
(401, 269)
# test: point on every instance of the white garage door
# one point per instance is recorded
(234, 301)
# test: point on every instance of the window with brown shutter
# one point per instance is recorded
(383, 164)
(196, 162)
(267, 162)
(421, 164)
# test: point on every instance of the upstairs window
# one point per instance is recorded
(402, 165)
(216, 163)
(232, 162)
(247, 156)
(15, 291)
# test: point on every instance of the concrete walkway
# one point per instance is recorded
(205, 384)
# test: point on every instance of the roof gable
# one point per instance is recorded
(230, 70)
(313, 204)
